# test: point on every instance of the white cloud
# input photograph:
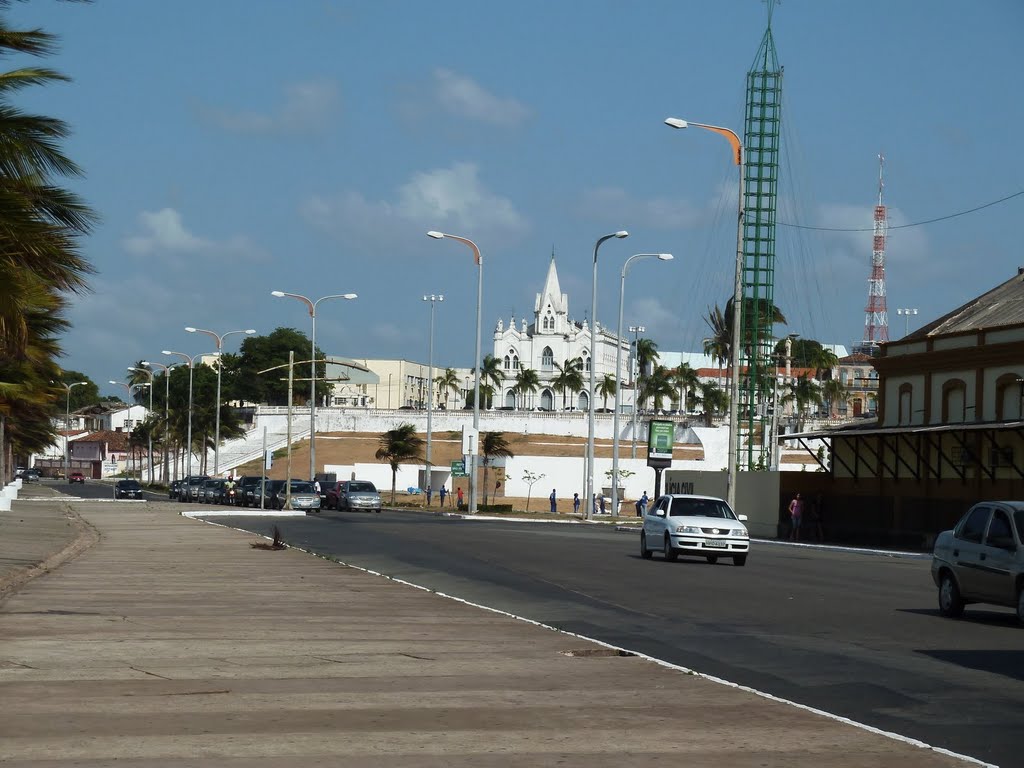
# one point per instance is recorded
(163, 232)
(306, 109)
(445, 198)
(464, 97)
(613, 203)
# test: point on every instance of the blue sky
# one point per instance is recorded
(237, 147)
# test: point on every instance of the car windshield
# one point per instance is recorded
(132, 484)
(700, 508)
(361, 488)
(302, 486)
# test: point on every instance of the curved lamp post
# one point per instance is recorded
(589, 469)
(191, 365)
(167, 399)
(311, 307)
(618, 371)
(219, 338)
(149, 432)
(128, 389)
(67, 423)
(432, 298)
(476, 367)
(737, 300)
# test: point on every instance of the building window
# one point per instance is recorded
(508, 362)
(906, 401)
(954, 402)
(547, 359)
(586, 362)
(1009, 397)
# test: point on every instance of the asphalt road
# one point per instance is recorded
(853, 634)
(98, 489)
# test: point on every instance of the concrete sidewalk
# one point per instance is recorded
(171, 642)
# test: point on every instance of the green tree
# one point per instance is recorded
(491, 379)
(834, 393)
(448, 382)
(657, 387)
(493, 445)
(398, 446)
(803, 392)
(527, 383)
(258, 353)
(647, 357)
(569, 378)
(719, 344)
(714, 400)
(531, 478)
(88, 394)
(686, 381)
(607, 388)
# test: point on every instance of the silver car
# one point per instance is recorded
(304, 496)
(703, 526)
(356, 494)
(982, 559)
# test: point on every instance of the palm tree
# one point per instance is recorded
(569, 378)
(527, 382)
(719, 344)
(448, 382)
(657, 387)
(493, 445)
(714, 399)
(803, 392)
(833, 391)
(492, 373)
(646, 356)
(823, 360)
(685, 380)
(607, 388)
(397, 446)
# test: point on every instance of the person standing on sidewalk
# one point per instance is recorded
(459, 498)
(430, 495)
(442, 493)
(643, 504)
(553, 498)
(575, 503)
(796, 514)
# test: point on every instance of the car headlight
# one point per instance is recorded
(687, 529)
(741, 532)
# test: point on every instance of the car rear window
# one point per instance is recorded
(362, 488)
(700, 508)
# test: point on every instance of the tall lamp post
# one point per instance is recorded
(149, 432)
(128, 389)
(191, 365)
(589, 489)
(432, 298)
(219, 338)
(476, 367)
(737, 300)
(311, 306)
(906, 321)
(67, 424)
(618, 371)
(167, 399)
(636, 330)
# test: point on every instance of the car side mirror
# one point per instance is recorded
(659, 513)
(742, 518)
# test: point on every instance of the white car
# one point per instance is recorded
(694, 525)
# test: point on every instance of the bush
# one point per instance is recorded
(495, 507)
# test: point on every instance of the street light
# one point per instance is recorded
(67, 423)
(476, 368)
(737, 300)
(191, 364)
(432, 298)
(167, 399)
(589, 469)
(636, 330)
(311, 306)
(149, 432)
(618, 371)
(219, 338)
(906, 322)
(128, 389)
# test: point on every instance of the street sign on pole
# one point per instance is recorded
(459, 468)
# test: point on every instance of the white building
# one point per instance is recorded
(547, 343)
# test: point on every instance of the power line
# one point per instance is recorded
(904, 226)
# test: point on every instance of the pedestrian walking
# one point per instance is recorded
(601, 502)
(442, 493)
(796, 514)
(459, 498)
(643, 504)
(553, 498)
(575, 503)
(430, 494)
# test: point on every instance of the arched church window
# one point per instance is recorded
(508, 362)
(586, 361)
(547, 359)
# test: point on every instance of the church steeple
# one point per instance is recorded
(551, 308)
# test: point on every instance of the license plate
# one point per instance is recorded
(717, 543)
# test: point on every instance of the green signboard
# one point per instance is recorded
(459, 468)
(660, 437)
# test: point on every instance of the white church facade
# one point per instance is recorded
(547, 345)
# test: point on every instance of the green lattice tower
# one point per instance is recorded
(762, 123)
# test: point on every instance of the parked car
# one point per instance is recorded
(172, 489)
(190, 487)
(302, 492)
(76, 477)
(31, 475)
(248, 487)
(127, 489)
(704, 526)
(212, 491)
(981, 560)
(353, 494)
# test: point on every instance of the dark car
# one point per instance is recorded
(981, 560)
(127, 489)
(248, 490)
(173, 488)
(31, 475)
(212, 491)
(76, 477)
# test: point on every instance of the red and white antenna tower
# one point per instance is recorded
(876, 317)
